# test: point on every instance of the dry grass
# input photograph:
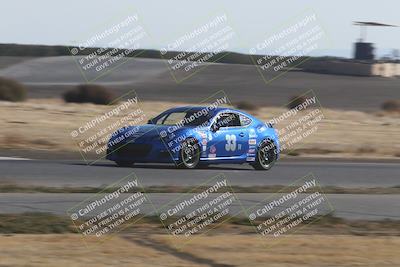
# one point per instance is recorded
(69, 250)
(296, 250)
(216, 250)
(46, 124)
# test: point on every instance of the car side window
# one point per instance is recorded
(174, 118)
(228, 120)
(244, 120)
(160, 120)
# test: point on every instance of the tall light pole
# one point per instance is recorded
(364, 50)
(363, 27)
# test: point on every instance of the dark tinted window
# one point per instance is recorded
(228, 120)
(185, 118)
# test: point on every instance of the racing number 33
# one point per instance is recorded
(230, 142)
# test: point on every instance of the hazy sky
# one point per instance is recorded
(64, 22)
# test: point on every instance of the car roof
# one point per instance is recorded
(198, 108)
(195, 108)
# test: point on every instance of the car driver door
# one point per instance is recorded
(229, 138)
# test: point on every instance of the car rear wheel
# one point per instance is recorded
(266, 155)
(124, 163)
(189, 154)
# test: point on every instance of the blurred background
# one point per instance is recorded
(62, 66)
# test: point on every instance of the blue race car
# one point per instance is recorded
(197, 136)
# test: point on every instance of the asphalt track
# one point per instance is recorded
(75, 173)
(364, 207)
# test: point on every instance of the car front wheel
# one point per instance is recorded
(189, 154)
(266, 155)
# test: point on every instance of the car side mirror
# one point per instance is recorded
(150, 121)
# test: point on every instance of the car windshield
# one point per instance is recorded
(184, 118)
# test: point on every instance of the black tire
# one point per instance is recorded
(124, 163)
(266, 155)
(189, 155)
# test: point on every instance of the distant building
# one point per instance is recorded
(364, 51)
(352, 67)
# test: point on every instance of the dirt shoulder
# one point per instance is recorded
(49, 240)
(45, 125)
(146, 249)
